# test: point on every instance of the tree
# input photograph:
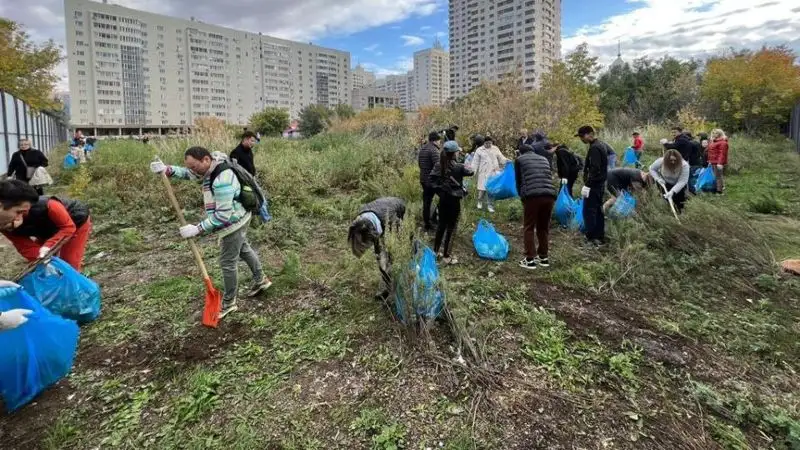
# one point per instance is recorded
(27, 68)
(344, 111)
(752, 91)
(271, 121)
(314, 119)
(582, 67)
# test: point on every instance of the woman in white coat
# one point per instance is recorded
(487, 162)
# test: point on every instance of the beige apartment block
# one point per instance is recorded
(402, 86)
(362, 77)
(490, 39)
(431, 77)
(371, 97)
(131, 70)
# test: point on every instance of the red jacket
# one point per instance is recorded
(59, 225)
(718, 152)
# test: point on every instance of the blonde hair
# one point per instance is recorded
(678, 160)
(718, 134)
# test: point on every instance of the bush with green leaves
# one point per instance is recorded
(270, 121)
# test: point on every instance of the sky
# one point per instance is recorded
(383, 35)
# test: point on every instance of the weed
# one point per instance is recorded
(767, 204)
(122, 423)
(727, 436)
(202, 398)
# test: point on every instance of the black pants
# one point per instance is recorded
(39, 190)
(571, 183)
(593, 218)
(449, 210)
(679, 199)
(428, 193)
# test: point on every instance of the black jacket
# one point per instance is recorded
(684, 146)
(696, 157)
(453, 181)
(533, 175)
(428, 156)
(566, 163)
(595, 170)
(33, 158)
(244, 157)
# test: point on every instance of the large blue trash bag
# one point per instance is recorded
(64, 291)
(427, 300)
(70, 162)
(503, 185)
(577, 219)
(489, 243)
(564, 208)
(630, 158)
(706, 181)
(624, 206)
(36, 354)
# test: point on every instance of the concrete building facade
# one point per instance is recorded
(371, 98)
(132, 69)
(490, 39)
(430, 81)
(402, 86)
(362, 77)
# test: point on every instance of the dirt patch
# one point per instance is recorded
(27, 426)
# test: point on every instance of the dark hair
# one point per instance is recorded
(198, 153)
(445, 158)
(678, 129)
(15, 192)
(636, 133)
(488, 138)
(434, 136)
(248, 135)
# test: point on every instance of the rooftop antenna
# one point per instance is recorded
(619, 49)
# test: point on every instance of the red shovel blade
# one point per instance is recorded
(213, 305)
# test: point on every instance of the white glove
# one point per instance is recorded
(158, 167)
(13, 318)
(563, 181)
(663, 141)
(189, 231)
(668, 195)
(585, 191)
(43, 252)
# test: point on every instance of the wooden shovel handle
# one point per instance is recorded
(179, 212)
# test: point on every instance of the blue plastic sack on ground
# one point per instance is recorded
(36, 354)
(577, 219)
(630, 158)
(427, 300)
(70, 162)
(624, 206)
(503, 185)
(489, 243)
(564, 208)
(706, 181)
(64, 291)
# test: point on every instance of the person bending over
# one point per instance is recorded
(672, 173)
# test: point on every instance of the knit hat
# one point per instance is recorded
(451, 147)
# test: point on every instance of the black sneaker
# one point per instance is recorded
(259, 287)
(544, 262)
(227, 308)
(529, 264)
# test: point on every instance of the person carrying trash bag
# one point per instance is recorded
(35, 224)
(487, 162)
(226, 217)
(672, 172)
(448, 178)
(535, 188)
(624, 180)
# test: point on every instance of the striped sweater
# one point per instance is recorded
(224, 214)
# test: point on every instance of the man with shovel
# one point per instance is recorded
(225, 217)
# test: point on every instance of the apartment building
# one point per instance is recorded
(490, 39)
(132, 70)
(402, 86)
(362, 77)
(431, 76)
(371, 97)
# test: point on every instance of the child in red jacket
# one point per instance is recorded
(718, 156)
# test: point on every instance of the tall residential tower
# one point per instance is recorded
(490, 39)
(132, 69)
(431, 76)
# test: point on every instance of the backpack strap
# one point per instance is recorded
(221, 167)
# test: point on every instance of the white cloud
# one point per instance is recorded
(400, 66)
(412, 41)
(424, 28)
(690, 28)
(371, 48)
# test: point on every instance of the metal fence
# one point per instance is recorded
(18, 121)
(794, 126)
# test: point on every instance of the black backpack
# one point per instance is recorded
(252, 197)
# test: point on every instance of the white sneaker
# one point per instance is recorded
(480, 206)
(491, 209)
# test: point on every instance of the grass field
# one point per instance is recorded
(675, 336)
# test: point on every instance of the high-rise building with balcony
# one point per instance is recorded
(402, 86)
(490, 39)
(431, 76)
(132, 69)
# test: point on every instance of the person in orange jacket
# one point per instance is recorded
(718, 156)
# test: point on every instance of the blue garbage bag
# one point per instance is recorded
(64, 291)
(706, 181)
(565, 207)
(36, 354)
(427, 300)
(503, 185)
(630, 158)
(577, 219)
(70, 162)
(624, 206)
(489, 243)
